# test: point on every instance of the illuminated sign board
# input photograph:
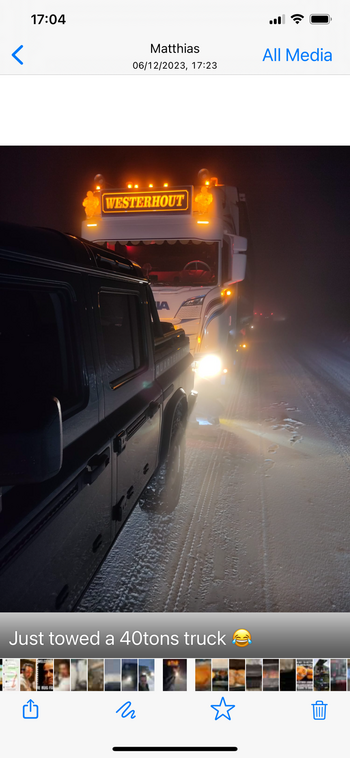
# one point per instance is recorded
(152, 201)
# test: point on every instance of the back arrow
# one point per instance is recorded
(15, 56)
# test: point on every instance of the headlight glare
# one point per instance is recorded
(209, 366)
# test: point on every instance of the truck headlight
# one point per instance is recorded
(209, 366)
(194, 301)
(191, 308)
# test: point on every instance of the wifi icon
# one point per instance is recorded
(297, 17)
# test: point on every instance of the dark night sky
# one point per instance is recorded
(298, 203)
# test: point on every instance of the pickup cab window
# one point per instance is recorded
(122, 335)
(37, 345)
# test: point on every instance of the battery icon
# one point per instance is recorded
(320, 18)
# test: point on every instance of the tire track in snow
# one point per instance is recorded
(188, 569)
(192, 542)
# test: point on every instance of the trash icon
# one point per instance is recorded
(319, 710)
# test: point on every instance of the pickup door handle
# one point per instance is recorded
(95, 467)
(153, 408)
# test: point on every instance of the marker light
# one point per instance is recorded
(150, 186)
(129, 186)
(100, 181)
(136, 186)
(207, 184)
(202, 222)
(166, 184)
(91, 224)
(226, 293)
(225, 371)
(209, 366)
(199, 340)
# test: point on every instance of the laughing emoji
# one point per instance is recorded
(242, 638)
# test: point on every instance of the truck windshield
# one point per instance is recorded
(172, 264)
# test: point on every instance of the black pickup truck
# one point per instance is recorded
(95, 395)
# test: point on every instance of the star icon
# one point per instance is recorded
(221, 708)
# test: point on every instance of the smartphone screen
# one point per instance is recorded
(175, 353)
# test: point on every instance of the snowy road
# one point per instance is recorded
(263, 522)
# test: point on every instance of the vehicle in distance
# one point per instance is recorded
(95, 395)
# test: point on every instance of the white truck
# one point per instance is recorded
(187, 241)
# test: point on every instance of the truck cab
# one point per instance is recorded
(191, 244)
(95, 396)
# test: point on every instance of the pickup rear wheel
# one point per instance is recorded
(163, 492)
(172, 471)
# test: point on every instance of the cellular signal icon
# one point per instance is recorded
(297, 17)
(278, 20)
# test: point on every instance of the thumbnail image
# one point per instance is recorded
(219, 675)
(146, 675)
(236, 674)
(129, 674)
(45, 675)
(304, 674)
(174, 674)
(270, 674)
(321, 674)
(287, 675)
(254, 674)
(10, 674)
(338, 674)
(112, 675)
(61, 682)
(78, 674)
(28, 674)
(95, 674)
(203, 675)
(0, 674)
